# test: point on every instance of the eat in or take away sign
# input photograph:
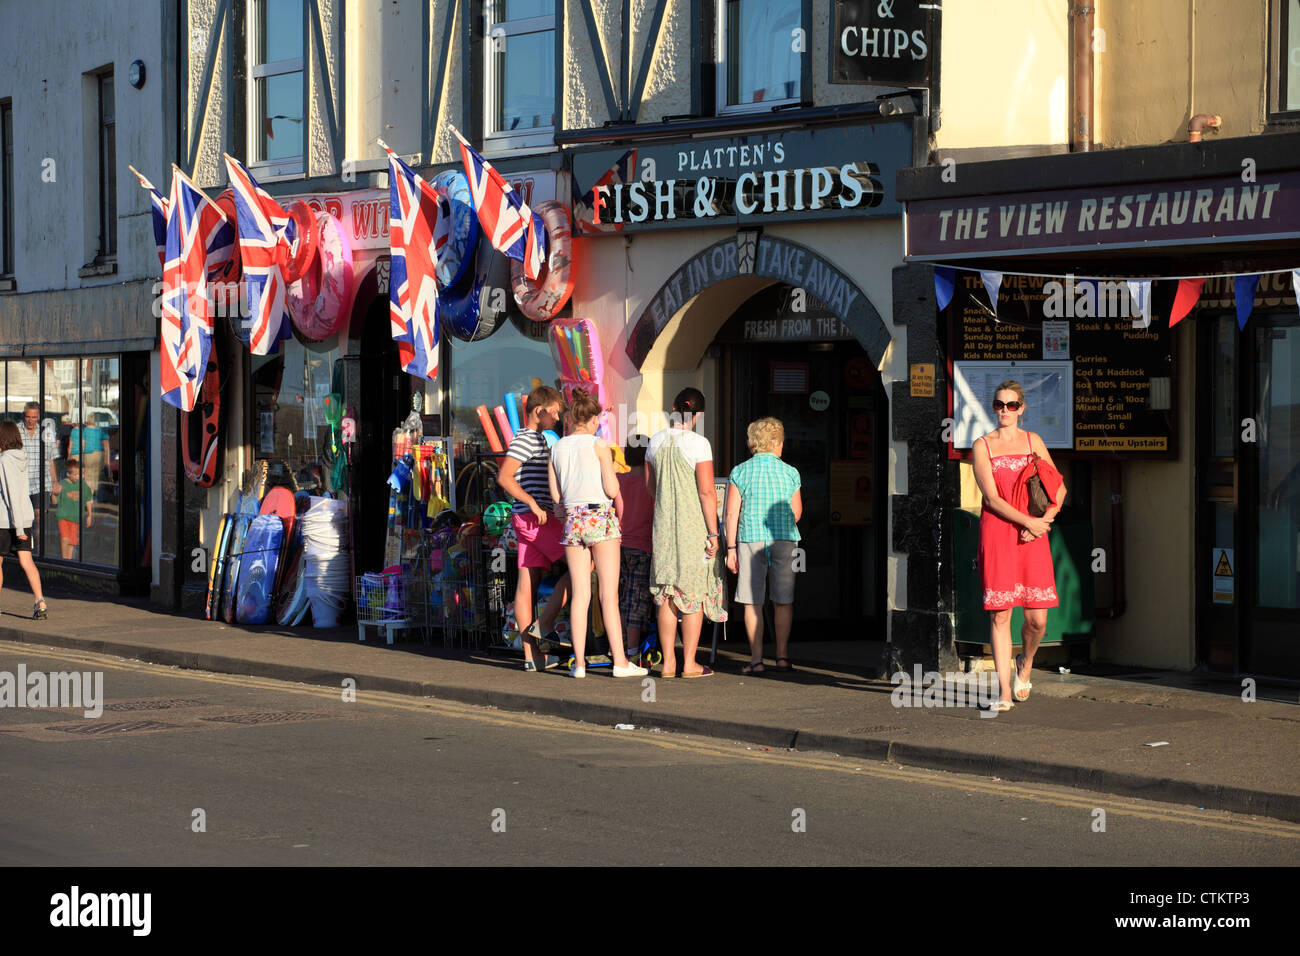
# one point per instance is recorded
(883, 41)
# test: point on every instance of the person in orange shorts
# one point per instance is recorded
(71, 498)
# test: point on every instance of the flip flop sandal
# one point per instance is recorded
(754, 669)
(1018, 685)
(784, 670)
(707, 672)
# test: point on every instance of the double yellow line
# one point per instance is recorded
(695, 746)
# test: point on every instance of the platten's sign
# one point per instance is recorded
(883, 41)
(1187, 212)
(823, 173)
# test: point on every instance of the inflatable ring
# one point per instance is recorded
(456, 232)
(477, 307)
(227, 269)
(321, 300)
(542, 299)
(201, 428)
(306, 239)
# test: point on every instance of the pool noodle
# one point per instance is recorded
(485, 420)
(523, 408)
(512, 410)
(504, 424)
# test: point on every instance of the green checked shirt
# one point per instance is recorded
(766, 484)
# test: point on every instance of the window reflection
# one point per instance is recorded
(293, 410)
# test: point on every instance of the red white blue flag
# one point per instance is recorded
(508, 223)
(187, 312)
(266, 235)
(412, 284)
(159, 216)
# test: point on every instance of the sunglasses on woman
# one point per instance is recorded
(1009, 406)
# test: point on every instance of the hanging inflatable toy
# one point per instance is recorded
(455, 235)
(541, 299)
(226, 267)
(576, 351)
(320, 301)
(306, 240)
(201, 428)
(476, 308)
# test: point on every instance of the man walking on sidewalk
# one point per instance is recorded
(40, 451)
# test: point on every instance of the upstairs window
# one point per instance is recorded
(107, 169)
(759, 45)
(519, 74)
(277, 93)
(6, 189)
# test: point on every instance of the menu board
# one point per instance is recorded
(1097, 375)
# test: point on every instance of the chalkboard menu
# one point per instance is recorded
(1098, 376)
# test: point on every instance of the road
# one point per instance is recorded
(192, 768)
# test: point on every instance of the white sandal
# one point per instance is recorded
(1018, 685)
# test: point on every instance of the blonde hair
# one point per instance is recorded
(1011, 386)
(765, 435)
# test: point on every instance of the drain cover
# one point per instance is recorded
(272, 717)
(98, 727)
(155, 703)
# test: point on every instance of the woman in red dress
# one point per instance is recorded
(1015, 558)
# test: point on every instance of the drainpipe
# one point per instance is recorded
(1081, 12)
(1199, 122)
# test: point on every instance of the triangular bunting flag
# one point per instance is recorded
(992, 282)
(1243, 288)
(1140, 291)
(1189, 293)
(943, 285)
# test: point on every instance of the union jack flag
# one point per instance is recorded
(509, 224)
(219, 235)
(412, 284)
(266, 235)
(586, 215)
(187, 320)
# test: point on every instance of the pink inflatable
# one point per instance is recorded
(321, 300)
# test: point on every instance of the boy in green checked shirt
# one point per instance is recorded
(762, 515)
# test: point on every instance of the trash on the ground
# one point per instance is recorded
(1158, 743)
(625, 726)
(1064, 670)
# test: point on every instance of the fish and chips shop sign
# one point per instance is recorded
(886, 42)
(795, 175)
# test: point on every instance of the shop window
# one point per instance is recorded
(481, 373)
(60, 404)
(95, 442)
(292, 416)
(6, 189)
(277, 91)
(760, 44)
(519, 74)
(1284, 57)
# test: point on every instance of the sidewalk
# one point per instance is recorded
(1086, 732)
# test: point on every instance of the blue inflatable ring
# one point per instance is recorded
(477, 307)
(456, 232)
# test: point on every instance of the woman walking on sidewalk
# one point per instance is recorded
(1015, 557)
(16, 515)
(686, 573)
(583, 487)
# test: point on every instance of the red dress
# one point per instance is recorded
(1013, 573)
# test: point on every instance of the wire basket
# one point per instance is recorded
(382, 598)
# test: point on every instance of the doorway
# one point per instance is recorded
(803, 367)
(384, 401)
(1248, 542)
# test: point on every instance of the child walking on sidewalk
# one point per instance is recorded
(583, 486)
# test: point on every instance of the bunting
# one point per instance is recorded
(1189, 293)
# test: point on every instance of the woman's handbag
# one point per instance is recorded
(1039, 501)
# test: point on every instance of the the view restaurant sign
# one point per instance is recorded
(1171, 213)
(796, 175)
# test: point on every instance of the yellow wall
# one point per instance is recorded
(1003, 74)
(1167, 60)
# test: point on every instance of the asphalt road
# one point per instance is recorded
(290, 774)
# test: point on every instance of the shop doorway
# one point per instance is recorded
(384, 401)
(789, 358)
(1248, 541)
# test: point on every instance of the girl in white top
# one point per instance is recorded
(583, 487)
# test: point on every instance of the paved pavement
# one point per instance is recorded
(1216, 750)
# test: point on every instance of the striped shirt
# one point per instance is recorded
(35, 460)
(529, 448)
(766, 484)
